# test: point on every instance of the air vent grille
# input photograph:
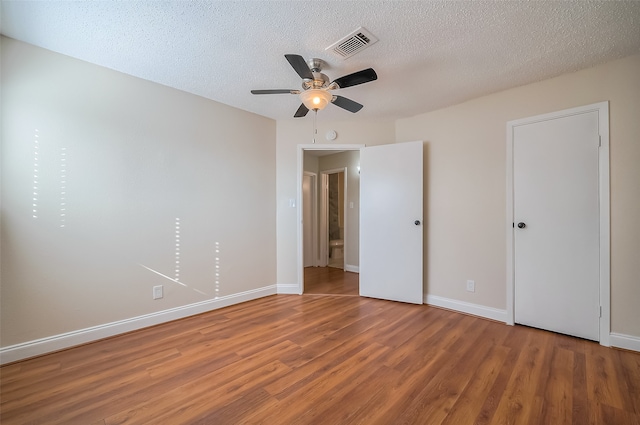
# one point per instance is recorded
(353, 43)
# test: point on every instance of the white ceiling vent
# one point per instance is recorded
(353, 43)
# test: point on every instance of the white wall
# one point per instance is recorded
(290, 134)
(465, 184)
(136, 157)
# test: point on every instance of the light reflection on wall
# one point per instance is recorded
(63, 186)
(36, 153)
(217, 277)
(177, 269)
(176, 276)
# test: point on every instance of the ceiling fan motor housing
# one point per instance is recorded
(319, 81)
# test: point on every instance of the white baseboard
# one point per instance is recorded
(350, 268)
(468, 308)
(628, 342)
(288, 288)
(70, 339)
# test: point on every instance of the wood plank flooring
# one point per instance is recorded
(330, 280)
(310, 359)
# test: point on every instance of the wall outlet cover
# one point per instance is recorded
(157, 292)
(471, 286)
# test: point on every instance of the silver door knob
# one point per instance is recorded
(417, 222)
(521, 225)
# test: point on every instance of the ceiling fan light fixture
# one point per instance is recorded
(315, 99)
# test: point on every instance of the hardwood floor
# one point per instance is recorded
(330, 280)
(289, 359)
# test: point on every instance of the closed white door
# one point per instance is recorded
(556, 224)
(391, 228)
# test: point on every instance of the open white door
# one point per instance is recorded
(391, 222)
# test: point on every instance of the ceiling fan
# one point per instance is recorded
(315, 93)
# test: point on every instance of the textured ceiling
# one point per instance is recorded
(431, 54)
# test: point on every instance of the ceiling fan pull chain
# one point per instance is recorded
(315, 130)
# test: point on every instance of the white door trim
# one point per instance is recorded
(299, 175)
(324, 218)
(602, 108)
(314, 216)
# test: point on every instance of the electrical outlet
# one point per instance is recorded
(157, 292)
(471, 286)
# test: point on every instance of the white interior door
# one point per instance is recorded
(391, 230)
(556, 233)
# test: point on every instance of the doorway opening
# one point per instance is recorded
(388, 212)
(328, 263)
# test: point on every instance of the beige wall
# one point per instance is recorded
(138, 155)
(290, 134)
(465, 184)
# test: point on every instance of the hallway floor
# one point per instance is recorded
(330, 280)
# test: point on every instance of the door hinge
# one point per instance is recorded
(600, 311)
(599, 141)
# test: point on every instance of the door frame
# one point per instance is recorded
(324, 214)
(314, 217)
(602, 108)
(299, 174)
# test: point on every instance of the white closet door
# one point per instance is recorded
(556, 214)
